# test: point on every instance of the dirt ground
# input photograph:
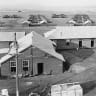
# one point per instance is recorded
(36, 84)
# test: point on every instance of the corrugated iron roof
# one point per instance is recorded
(9, 36)
(72, 32)
(4, 50)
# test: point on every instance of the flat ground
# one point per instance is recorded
(87, 80)
(86, 58)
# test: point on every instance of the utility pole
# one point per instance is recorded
(32, 60)
(32, 55)
(0, 70)
(16, 58)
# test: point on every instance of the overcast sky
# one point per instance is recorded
(47, 4)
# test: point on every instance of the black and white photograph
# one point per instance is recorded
(47, 47)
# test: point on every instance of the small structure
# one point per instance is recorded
(59, 16)
(67, 89)
(6, 16)
(11, 16)
(37, 20)
(4, 92)
(19, 11)
(81, 20)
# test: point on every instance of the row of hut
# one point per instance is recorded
(76, 20)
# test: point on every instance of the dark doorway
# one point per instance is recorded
(80, 43)
(66, 66)
(40, 68)
(92, 43)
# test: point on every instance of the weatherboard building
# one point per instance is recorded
(72, 37)
(36, 55)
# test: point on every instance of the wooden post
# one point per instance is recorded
(32, 61)
(0, 71)
(32, 55)
(16, 58)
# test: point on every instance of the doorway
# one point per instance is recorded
(40, 68)
(80, 43)
(66, 66)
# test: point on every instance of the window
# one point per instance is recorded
(92, 43)
(80, 43)
(12, 66)
(25, 65)
(67, 42)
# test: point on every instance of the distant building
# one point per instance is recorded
(11, 16)
(37, 20)
(59, 16)
(72, 37)
(81, 20)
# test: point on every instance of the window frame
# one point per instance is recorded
(68, 42)
(25, 66)
(11, 66)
